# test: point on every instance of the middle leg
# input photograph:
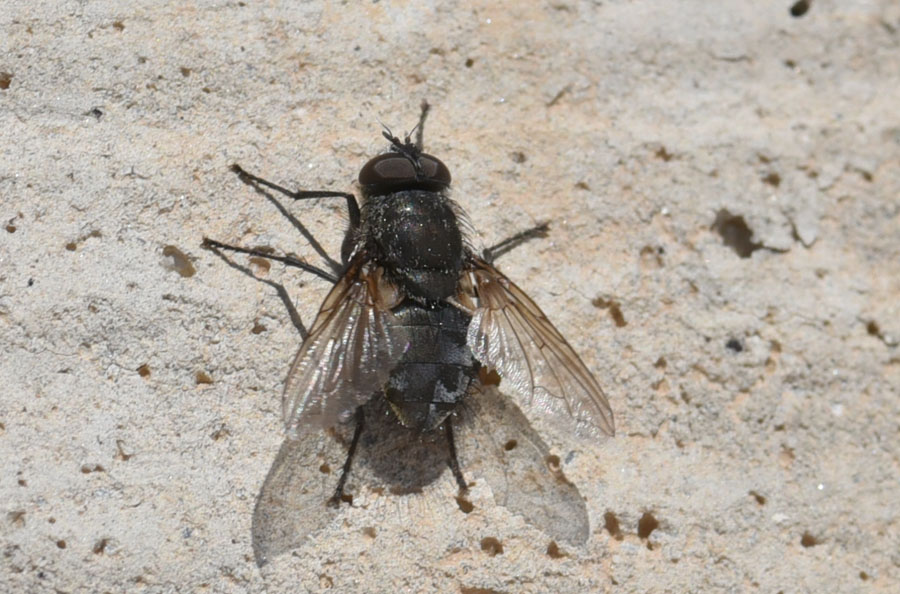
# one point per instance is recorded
(498, 249)
(212, 244)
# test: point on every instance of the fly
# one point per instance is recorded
(415, 319)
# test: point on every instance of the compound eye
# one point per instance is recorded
(435, 171)
(390, 169)
(393, 171)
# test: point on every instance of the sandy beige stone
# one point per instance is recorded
(723, 181)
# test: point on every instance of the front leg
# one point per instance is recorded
(352, 205)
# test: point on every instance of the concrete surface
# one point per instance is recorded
(723, 180)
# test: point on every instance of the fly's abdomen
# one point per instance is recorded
(437, 369)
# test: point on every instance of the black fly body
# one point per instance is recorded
(414, 321)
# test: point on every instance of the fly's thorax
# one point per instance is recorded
(415, 235)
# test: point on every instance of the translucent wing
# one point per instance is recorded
(496, 443)
(351, 349)
(510, 334)
(390, 480)
(292, 504)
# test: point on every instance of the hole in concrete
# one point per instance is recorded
(873, 329)
(773, 179)
(651, 257)
(615, 312)
(735, 345)
(203, 378)
(646, 525)
(866, 175)
(60, 544)
(144, 370)
(100, 546)
(735, 233)
(510, 445)
(325, 468)
(611, 523)
(808, 540)
(553, 551)
(180, 263)
(469, 62)
(760, 499)
(261, 263)
(369, 531)
(258, 328)
(465, 506)
(800, 8)
(491, 546)
(518, 157)
(662, 153)
(553, 462)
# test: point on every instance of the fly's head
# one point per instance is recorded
(404, 167)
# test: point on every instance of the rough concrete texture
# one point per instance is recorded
(722, 180)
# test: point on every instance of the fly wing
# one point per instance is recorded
(293, 502)
(496, 443)
(510, 334)
(398, 475)
(351, 349)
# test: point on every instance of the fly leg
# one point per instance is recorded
(454, 461)
(352, 213)
(498, 249)
(345, 471)
(335, 269)
(212, 244)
